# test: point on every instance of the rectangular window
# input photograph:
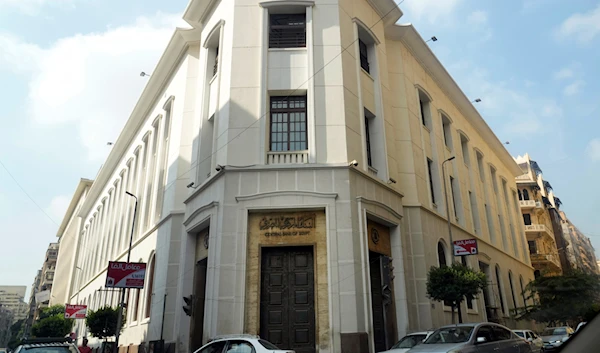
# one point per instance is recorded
(368, 138)
(453, 192)
(364, 55)
(474, 213)
(422, 106)
(494, 181)
(464, 144)
(447, 132)
(527, 219)
(480, 166)
(288, 124)
(216, 63)
(532, 247)
(429, 171)
(287, 31)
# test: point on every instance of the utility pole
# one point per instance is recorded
(448, 210)
(122, 304)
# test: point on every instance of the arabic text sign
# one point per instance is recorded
(125, 275)
(465, 247)
(75, 311)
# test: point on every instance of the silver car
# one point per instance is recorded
(554, 337)
(485, 337)
(536, 342)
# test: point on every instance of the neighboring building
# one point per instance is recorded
(43, 293)
(543, 224)
(278, 175)
(67, 273)
(32, 305)
(580, 251)
(6, 321)
(12, 298)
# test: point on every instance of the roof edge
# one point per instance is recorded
(81, 186)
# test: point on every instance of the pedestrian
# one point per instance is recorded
(84, 347)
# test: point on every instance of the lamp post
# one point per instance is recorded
(122, 303)
(448, 209)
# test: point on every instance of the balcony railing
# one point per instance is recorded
(291, 157)
(536, 228)
(527, 204)
(546, 259)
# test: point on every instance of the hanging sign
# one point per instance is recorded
(465, 247)
(125, 275)
(75, 311)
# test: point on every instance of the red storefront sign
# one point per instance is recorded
(125, 275)
(75, 311)
(465, 247)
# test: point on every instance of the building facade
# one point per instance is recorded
(12, 298)
(6, 321)
(32, 304)
(286, 158)
(545, 241)
(580, 251)
(44, 292)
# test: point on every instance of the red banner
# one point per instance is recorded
(125, 275)
(75, 311)
(465, 247)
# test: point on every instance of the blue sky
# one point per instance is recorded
(70, 76)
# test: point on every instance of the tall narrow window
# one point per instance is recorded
(525, 194)
(288, 124)
(441, 254)
(500, 294)
(522, 291)
(527, 219)
(453, 192)
(287, 31)
(512, 290)
(150, 287)
(532, 247)
(429, 171)
(368, 138)
(464, 144)
(364, 55)
(480, 166)
(475, 214)
(520, 195)
(446, 130)
(494, 179)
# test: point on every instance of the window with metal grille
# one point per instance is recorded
(287, 31)
(288, 124)
(216, 64)
(364, 56)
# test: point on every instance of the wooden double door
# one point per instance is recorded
(287, 299)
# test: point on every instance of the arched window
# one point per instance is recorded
(520, 195)
(523, 291)
(512, 289)
(150, 285)
(441, 254)
(525, 194)
(499, 281)
(135, 312)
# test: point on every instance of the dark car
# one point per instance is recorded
(47, 345)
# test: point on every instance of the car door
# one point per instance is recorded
(507, 341)
(490, 345)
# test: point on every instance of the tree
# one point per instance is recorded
(52, 323)
(102, 323)
(454, 284)
(569, 298)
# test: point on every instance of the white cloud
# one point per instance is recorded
(593, 150)
(57, 208)
(573, 88)
(584, 27)
(478, 18)
(32, 7)
(431, 10)
(563, 73)
(90, 80)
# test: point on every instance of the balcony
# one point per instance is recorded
(527, 204)
(538, 228)
(549, 262)
(288, 157)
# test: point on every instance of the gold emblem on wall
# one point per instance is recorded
(288, 225)
(374, 235)
(379, 238)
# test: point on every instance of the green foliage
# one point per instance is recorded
(103, 322)
(16, 333)
(562, 299)
(52, 323)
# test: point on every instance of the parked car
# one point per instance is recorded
(409, 341)
(536, 342)
(240, 344)
(554, 337)
(485, 337)
(45, 345)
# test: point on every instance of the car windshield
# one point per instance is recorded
(268, 345)
(409, 341)
(520, 334)
(50, 349)
(456, 334)
(555, 331)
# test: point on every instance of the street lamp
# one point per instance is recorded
(122, 303)
(448, 209)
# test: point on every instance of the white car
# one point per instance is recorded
(535, 341)
(240, 344)
(409, 341)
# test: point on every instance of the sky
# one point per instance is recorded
(70, 78)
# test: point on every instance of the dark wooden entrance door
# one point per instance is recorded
(377, 305)
(197, 319)
(287, 312)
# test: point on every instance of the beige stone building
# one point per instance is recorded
(12, 298)
(580, 251)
